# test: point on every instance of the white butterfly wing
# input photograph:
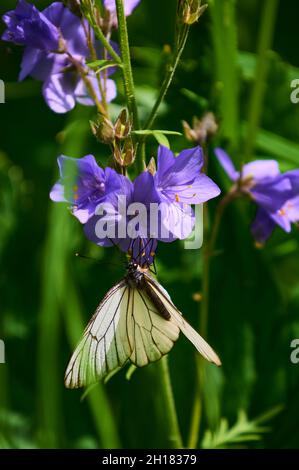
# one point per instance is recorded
(177, 318)
(107, 342)
(153, 336)
(128, 325)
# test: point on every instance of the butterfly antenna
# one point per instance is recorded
(79, 255)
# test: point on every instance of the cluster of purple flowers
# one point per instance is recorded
(276, 194)
(95, 195)
(58, 46)
(57, 49)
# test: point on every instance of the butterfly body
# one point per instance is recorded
(139, 277)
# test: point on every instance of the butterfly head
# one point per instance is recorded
(135, 273)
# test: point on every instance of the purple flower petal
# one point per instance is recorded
(44, 65)
(30, 59)
(281, 219)
(83, 97)
(58, 93)
(227, 164)
(86, 186)
(165, 160)
(287, 215)
(186, 167)
(109, 224)
(27, 26)
(272, 195)
(261, 170)
(292, 209)
(129, 5)
(70, 26)
(57, 193)
(144, 189)
(262, 226)
(294, 179)
(175, 222)
(201, 190)
(179, 179)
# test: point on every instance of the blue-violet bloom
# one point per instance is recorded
(84, 185)
(274, 193)
(56, 47)
(177, 184)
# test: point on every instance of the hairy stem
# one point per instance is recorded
(93, 55)
(126, 58)
(128, 73)
(168, 78)
(90, 15)
(91, 91)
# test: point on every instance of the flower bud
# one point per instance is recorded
(125, 155)
(151, 168)
(103, 130)
(191, 11)
(202, 129)
(123, 125)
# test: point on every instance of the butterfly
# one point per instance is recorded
(137, 322)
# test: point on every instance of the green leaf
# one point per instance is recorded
(152, 132)
(159, 135)
(243, 431)
(161, 139)
(225, 37)
(278, 146)
(102, 64)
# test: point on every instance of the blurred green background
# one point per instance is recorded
(47, 295)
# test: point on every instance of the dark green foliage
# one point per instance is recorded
(47, 294)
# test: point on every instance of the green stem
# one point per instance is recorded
(256, 103)
(91, 91)
(100, 35)
(126, 58)
(93, 55)
(168, 78)
(128, 75)
(174, 435)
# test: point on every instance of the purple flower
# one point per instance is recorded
(274, 193)
(157, 207)
(27, 26)
(129, 5)
(57, 65)
(265, 222)
(62, 90)
(134, 217)
(177, 184)
(84, 185)
(114, 224)
(180, 179)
